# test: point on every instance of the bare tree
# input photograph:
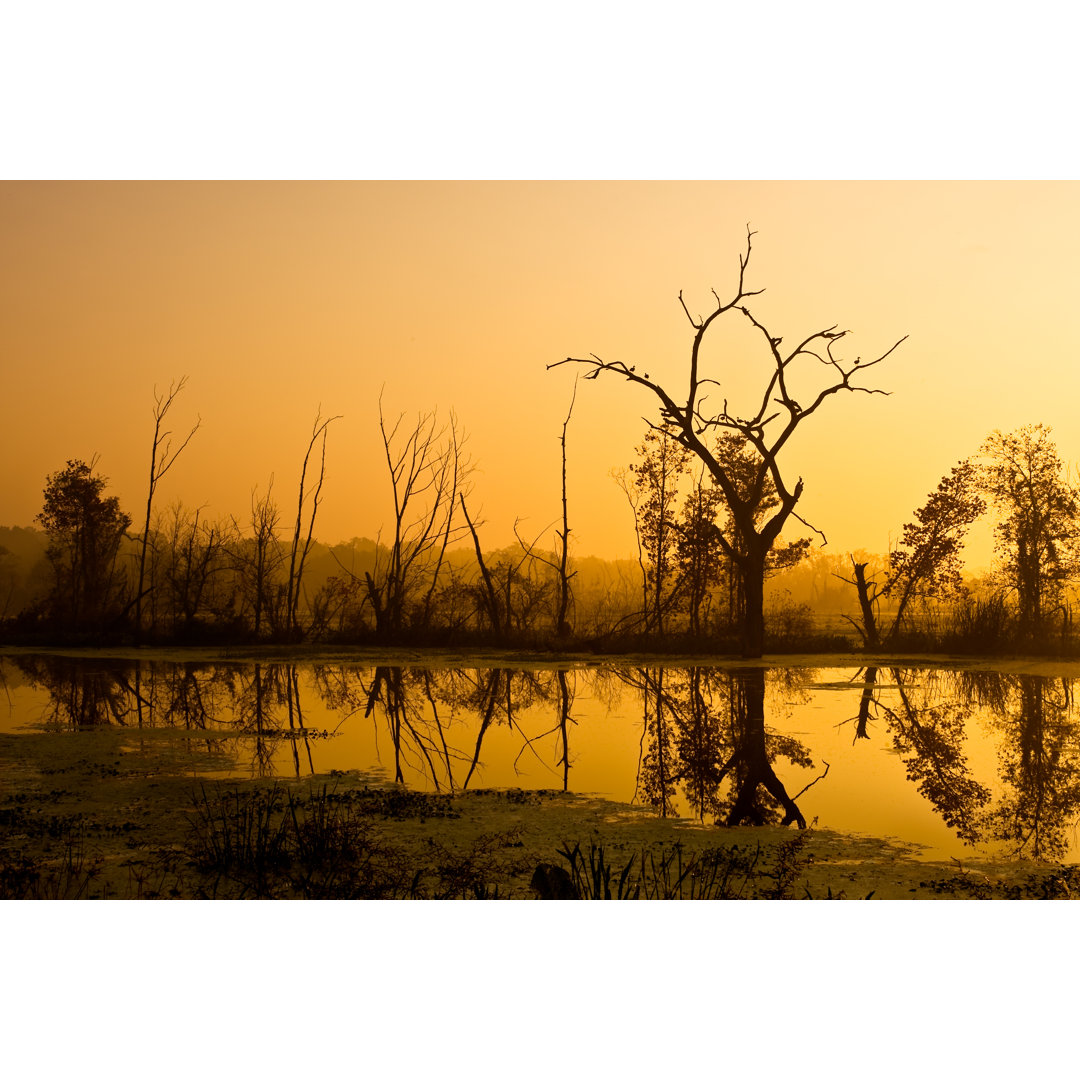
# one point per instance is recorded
(258, 562)
(490, 597)
(562, 627)
(427, 472)
(162, 457)
(299, 552)
(768, 430)
(194, 560)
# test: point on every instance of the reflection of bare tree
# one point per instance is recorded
(757, 787)
(566, 703)
(424, 711)
(704, 727)
(393, 693)
(500, 694)
(259, 699)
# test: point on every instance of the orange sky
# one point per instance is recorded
(275, 298)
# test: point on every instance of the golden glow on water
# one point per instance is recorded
(932, 762)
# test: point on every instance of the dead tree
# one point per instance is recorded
(768, 430)
(428, 470)
(562, 627)
(869, 593)
(561, 562)
(490, 598)
(299, 551)
(162, 457)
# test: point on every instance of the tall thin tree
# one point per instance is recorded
(299, 551)
(162, 457)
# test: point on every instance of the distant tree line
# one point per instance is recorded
(185, 577)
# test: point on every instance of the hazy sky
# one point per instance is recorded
(276, 298)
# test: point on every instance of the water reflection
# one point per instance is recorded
(926, 716)
(1035, 808)
(992, 758)
(704, 737)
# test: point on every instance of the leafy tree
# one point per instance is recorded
(662, 463)
(926, 562)
(1038, 528)
(701, 560)
(85, 530)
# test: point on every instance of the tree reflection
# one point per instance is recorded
(704, 735)
(705, 748)
(1037, 801)
(438, 719)
(1039, 765)
(261, 702)
(81, 695)
(928, 728)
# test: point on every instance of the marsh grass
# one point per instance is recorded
(241, 834)
(69, 877)
(267, 843)
(671, 873)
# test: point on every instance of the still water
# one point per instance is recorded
(963, 763)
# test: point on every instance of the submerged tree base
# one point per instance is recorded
(89, 819)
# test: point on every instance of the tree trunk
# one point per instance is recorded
(752, 569)
(753, 754)
(870, 629)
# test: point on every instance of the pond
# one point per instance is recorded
(963, 763)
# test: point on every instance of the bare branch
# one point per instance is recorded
(812, 528)
(767, 431)
(817, 780)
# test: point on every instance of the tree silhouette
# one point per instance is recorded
(162, 457)
(1038, 529)
(662, 463)
(85, 529)
(428, 470)
(768, 429)
(301, 546)
(926, 562)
